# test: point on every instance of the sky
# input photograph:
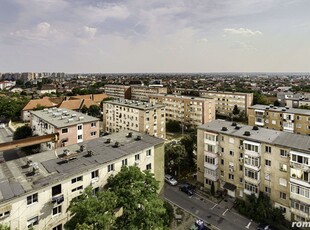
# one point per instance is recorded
(138, 36)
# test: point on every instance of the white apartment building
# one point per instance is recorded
(244, 160)
(72, 127)
(187, 110)
(140, 93)
(36, 190)
(139, 116)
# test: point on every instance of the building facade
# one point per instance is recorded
(44, 183)
(118, 91)
(140, 93)
(139, 116)
(187, 110)
(224, 101)
(244, 160)
(73, 127)
(280, 118)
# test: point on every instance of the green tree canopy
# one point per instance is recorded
(173, 126)
(236, 110)
(94, 110)
(22, 132)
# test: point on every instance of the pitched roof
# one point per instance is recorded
(95, 97)
(88, 103)
(45, 101)
(71, 104)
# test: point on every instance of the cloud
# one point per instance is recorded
(89, 32)
(242, 32)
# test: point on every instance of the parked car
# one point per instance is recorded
(264, 226)
(170, 180)
(187, 188)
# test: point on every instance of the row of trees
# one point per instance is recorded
(129, 201)
(11, 106)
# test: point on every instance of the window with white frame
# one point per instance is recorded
(56, 210)
(137, 157)
(149, 166)
(299, 190)
(283, 195)
(5, 214)
(80, 127)
(268, 149)
(93, 124)
(93, 133)
(32, 199)
(148, 152)
(79, 188)
(77, 179)
(283, 153)
(95, 174)
(283, 182)
(268, 163)
(110, 167)
(253, 148)
(80, 137)
(58, 227)
(210, 160)
(32, 221)
(250, 187)
(124, 162)
(64, 130)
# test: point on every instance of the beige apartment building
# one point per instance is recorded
(139, 116)
(224, 101)
(36, 190)
(244, 160)
(73, 127)
(187, 110)
(118, 91)
(140, 93)
(280, 118)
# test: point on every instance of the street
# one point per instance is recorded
(217, 214)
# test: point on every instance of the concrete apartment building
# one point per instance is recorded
(293, 100)
(224, 101)
(244, 160)
(187, 110)
(73, 127)
(280, 118)
(36, 190)
(140, 93)
(139, 116)
(118, 91)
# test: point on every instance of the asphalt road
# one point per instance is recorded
(216, 214)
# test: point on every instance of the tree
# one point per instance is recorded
(94, 110)
(92, 212)
(173, 126)
(236, 110)
(190, 142)
(22, 132)
(212, 189)
(84, 109)
(304, 107)
(276, 103)
(137, 195)
(175, 158)
(259, 98)
(4, 227)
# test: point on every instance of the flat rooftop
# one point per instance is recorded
(16, 177)
(281, 109)
(63, 117)
(192, 98)
(134, 104)
(273, 137)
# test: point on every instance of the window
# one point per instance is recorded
(250, 187)
(5, 214)
(253, 148)
(231, 153)
(283, 153)
(74, 180)
(80, 137)
(240, 167)
(56, 190)
(95, 191)
(93, 134)
(283, 182)
(267, 162)
(65, 130)
(80, 127)
(222, 150)
(33, 221)
(58, 227)
(210, 148)
(283, 167)
(148, 153)
(240, 180)
(267, 149)
(222, 173)
(124, 162)
(93, 124)
(149, 166)
(210, 160)
(137, 157)
(283, 195)
(94, 174)
(267, 190)
(32, 199)
(230, 176)
(110, 167)
(222, 161)
(57, 210)
(77, 189)
(251, 173)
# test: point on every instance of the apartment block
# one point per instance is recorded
(36, 190)
(224, 101)
(140, 93)
(280, 118)
(139, 116)
(293, 100)
(73, 127)
(118, 91)
(243, 160)
(187, 110)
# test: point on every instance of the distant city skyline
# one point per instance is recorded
(155, 36)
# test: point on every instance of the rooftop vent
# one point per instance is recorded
(283, 110)
(275, 107)
(271, 106)
(63, 117)
(73, 115)
(66, 152)
(82, 147)
(237, 127)
(90, 153)
(129, 134)
(234, 124)
(116, 144)
(287, 107)
(267, 107)
(70, 120)
(64, 112)
(81, 118)
(138, 138)
(46, 109)
(108, 141)
(255, 127)
(59, 110)
(247, 133)
(224, 129)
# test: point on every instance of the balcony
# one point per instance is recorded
(210, 154)
(253, 167)
(300, 213)
(211, 177)
(211, 166)
(251, 153)
(252, 180)
(303, 167)
(248, 192)
(298, 180)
